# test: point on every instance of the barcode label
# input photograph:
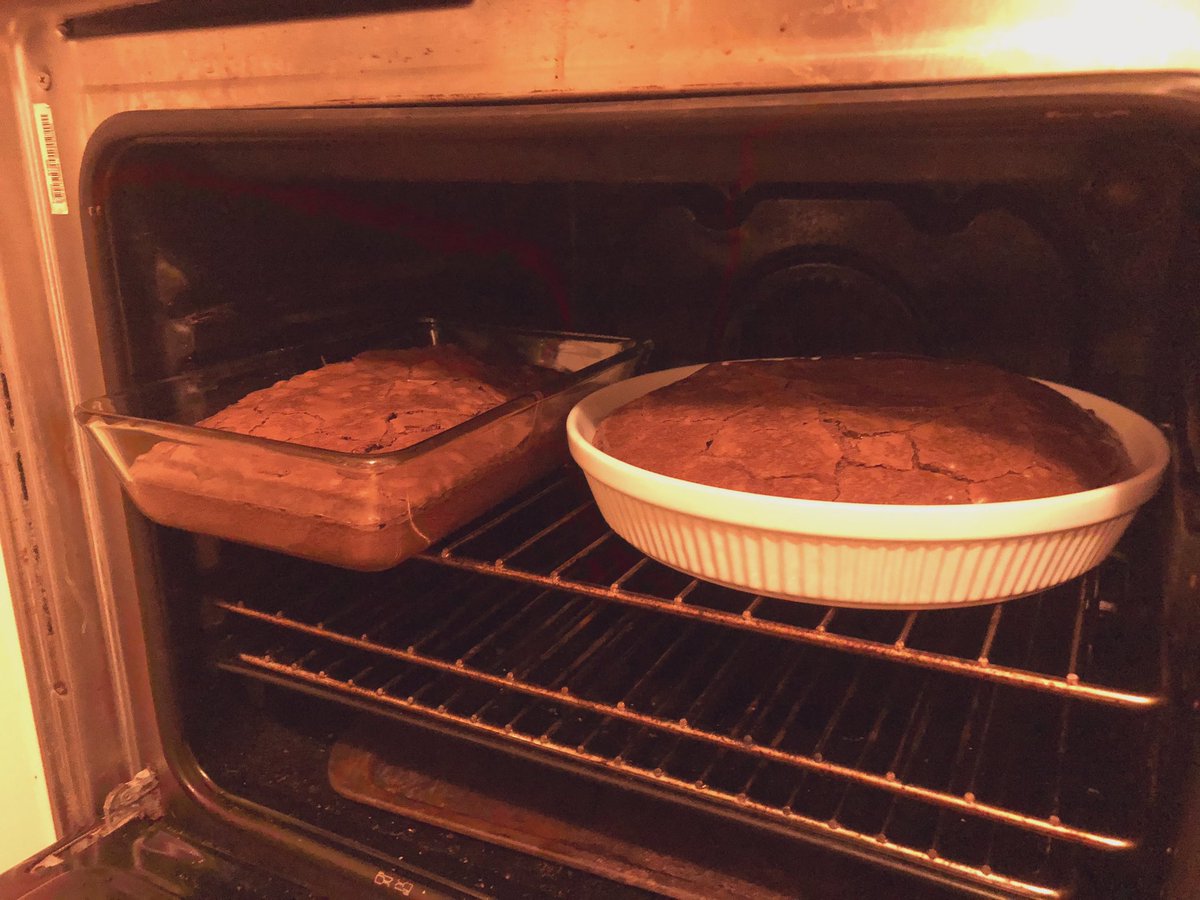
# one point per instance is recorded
(56, 188)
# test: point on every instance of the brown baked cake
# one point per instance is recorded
(881, 429)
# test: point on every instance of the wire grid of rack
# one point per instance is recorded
(999, 777)
(554, 537)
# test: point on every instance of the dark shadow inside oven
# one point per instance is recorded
(975, 746)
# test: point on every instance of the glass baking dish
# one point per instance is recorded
(365, 512)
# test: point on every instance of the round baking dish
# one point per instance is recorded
(879, 556)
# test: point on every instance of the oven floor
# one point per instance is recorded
(276, 753)
(279, 759)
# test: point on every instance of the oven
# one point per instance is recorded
(530, 706)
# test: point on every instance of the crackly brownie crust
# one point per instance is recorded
(870, 430)
(380, 401)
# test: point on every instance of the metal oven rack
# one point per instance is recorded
(606, 567)
(987, 756)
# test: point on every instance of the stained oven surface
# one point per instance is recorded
(531, 707)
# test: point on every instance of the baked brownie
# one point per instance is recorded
(885, 429)
(379, 401)
(343, 513)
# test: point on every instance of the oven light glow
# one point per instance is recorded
(1096, 35)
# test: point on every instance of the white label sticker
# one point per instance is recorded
(56, 188)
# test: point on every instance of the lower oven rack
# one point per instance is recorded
(997, 781)
(566, 545)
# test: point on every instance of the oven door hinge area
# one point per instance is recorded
(137, 798)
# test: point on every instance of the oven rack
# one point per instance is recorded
(553, 536)
(903, 761)
(985, 874)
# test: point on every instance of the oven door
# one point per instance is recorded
(142, 851)
(148, 860)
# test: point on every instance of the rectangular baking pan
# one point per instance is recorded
(350, 510)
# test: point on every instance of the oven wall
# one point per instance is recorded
(451, 51)
(64, 613)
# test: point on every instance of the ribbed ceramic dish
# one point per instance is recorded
(879, 556)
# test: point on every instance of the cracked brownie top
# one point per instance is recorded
(869, 430)
(380, 401)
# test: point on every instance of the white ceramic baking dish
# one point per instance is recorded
(864, 554)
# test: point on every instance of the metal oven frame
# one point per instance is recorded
(77, 572)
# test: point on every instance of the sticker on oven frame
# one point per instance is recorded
(56, 187)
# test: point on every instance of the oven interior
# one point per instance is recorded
(697, 740)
